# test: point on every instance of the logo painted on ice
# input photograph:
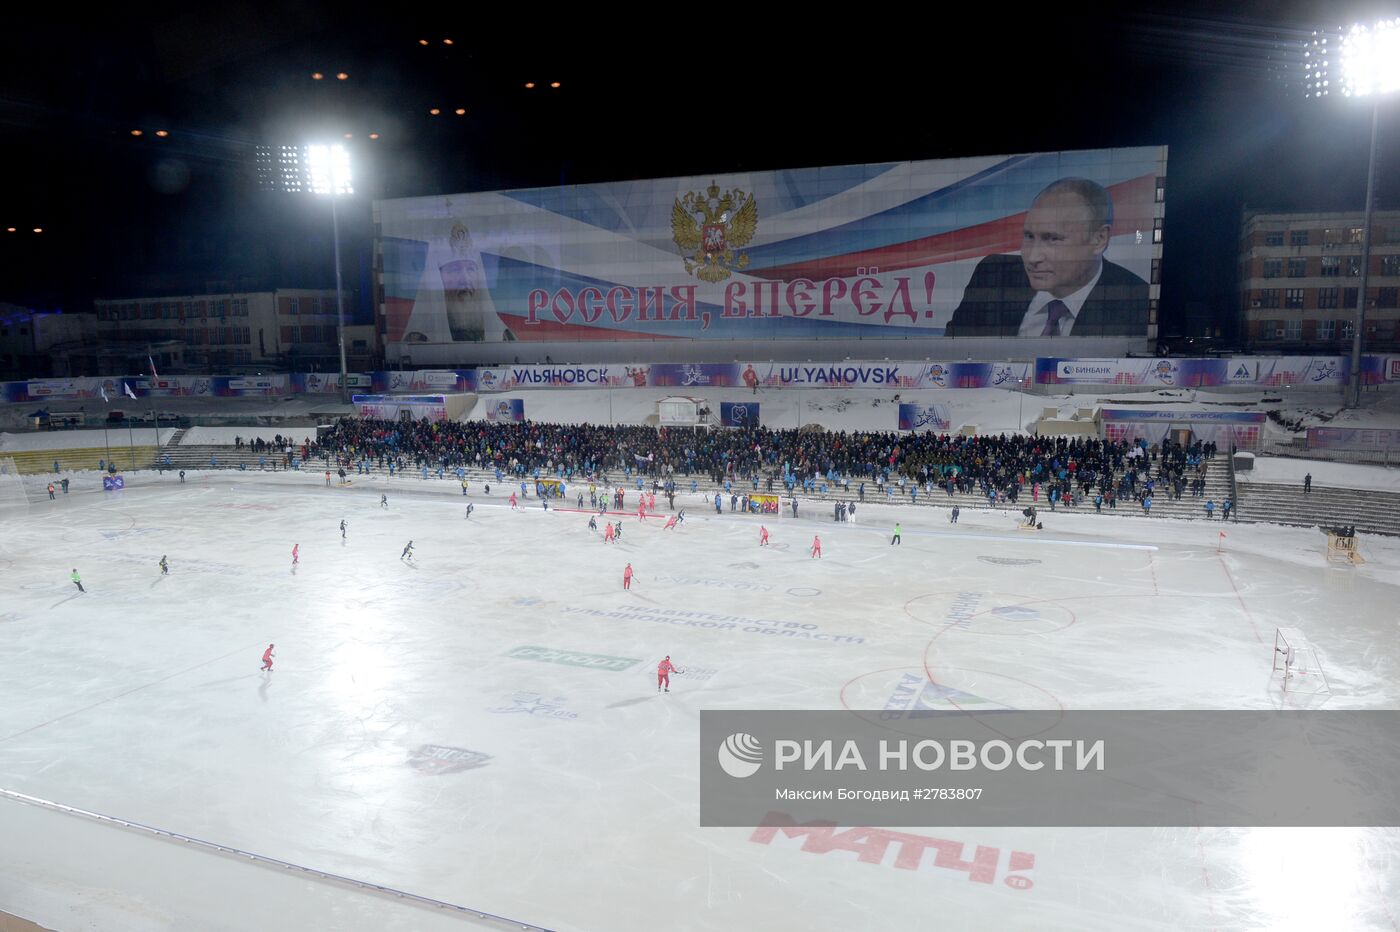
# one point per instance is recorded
(436, 759)
(915, 696)
(741, 755)
(536, 704)
(572, 658)
(1009, 561)
(1016, 612)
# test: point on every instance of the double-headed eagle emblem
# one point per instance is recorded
(708, 228)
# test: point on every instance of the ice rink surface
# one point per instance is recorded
(433, 726)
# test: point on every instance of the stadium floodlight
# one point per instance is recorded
(1370, 59)
(328, 168)
(1366, 62)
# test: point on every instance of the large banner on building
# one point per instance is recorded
(1241, 429)
(738, 414)
(1046, 244)
(925, 417)
(392, 407)
(505, 410)
(251, 385)
(1257, 371)
(1353, 438)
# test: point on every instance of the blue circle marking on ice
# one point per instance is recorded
(741, 755)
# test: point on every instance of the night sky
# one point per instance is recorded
(688, 91)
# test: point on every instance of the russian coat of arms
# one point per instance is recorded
(709, 228)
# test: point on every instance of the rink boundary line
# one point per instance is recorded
(264, 860)
(1032, 540)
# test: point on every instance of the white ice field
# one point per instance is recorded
(142, 700)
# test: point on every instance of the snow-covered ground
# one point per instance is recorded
(1324, 474)
(142, 699)
(116, 436)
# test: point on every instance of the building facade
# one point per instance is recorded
(1299, 277)
(293, 329)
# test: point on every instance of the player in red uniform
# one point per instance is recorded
(296, 558)
(663, 674)
(762, 536)
(607, 533)
(816, 547)
(512, 501)
(641, 511)
(651, 501)
(627, 577)
(267, 658)
(670, 523)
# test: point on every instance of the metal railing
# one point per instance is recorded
(1299, 450)
(266, 861)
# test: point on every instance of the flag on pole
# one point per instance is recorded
(154, 374)
(129, 393)
(103, 390)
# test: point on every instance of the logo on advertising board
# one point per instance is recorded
(436, 759)
(1325, 372)
(1002, 375)
(694, 375)
(488, 379)
(1241, 373)
(1165, 371)
(438, 378)
(937, 374)
(708, 228)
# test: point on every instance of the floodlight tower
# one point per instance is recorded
(1368, 67)
(328, 168)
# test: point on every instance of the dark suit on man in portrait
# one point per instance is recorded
(999, 294)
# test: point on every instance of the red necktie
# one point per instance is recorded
(1056, 311)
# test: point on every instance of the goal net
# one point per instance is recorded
(14, 500)
(1296, 665)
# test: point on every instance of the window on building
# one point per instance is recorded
(1355, 234)
(1390, 265)
(1348, 328)
(1326, 297)
(1326, 329)
(1293, 330)
(1161, 195)
(1293, 298)
(1297, 237)
(1388, 297)
(1353, 266)
(1273, 238)
(292, 306)
(1152, 311)
(1332, 237)
(1273, 268)
(1331, 266)
(1392, 235)
(1156, 271)
(296, 335)
(1349, 297)
(1156, 229)
(1297, 268)
(1271, 330)
(1268, 297)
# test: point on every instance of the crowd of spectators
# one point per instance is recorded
(1068, 471)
